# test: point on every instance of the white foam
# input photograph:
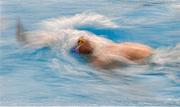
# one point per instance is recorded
(168, 55)
(61, 32)
(83, 19)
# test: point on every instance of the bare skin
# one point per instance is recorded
(131, 51)
(113, 54)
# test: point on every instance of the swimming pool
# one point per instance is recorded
(54, 76)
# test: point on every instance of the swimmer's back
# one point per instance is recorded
(131, 51)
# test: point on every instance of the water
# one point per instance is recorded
(55, 76)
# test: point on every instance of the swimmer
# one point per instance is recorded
(113, 54)
(100, 51)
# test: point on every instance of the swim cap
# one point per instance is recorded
(81, 41)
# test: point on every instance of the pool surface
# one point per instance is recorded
(56, 76)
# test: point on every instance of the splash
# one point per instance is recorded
(168, 55)
(64, 31)
(78, 20)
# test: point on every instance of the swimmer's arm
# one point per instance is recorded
(35, 39)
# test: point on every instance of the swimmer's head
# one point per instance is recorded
(83, 46)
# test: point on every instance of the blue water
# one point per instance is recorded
(50, 76)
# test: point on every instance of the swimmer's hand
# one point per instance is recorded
(20, 35)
